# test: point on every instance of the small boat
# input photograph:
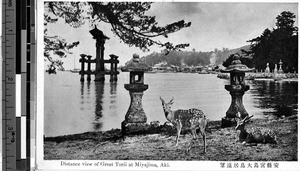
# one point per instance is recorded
(75, 70)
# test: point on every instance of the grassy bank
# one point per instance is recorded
(222, 145)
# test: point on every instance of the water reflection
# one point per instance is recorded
(100, 102)
(82, 96)
(113, 95)
(99, 91)
(88, 91)
(280, 97)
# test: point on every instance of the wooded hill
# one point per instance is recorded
(191, 58)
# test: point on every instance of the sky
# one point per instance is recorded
(214, 25)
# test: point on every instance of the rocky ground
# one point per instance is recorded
(222, 145)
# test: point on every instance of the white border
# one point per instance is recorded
(40, 86)
(41, 164)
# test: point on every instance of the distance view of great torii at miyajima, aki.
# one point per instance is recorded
(170, 81)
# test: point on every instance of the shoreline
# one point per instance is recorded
(159, 145)
(265, 76)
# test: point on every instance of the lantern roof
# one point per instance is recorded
(136, 65)
(113, 56)
(237, 66)
(98, 34)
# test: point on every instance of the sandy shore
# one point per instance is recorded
(222, 145)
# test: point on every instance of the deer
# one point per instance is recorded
(254, 135)
(191, 119)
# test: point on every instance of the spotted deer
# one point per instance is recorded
(191, 119)
(254, 134)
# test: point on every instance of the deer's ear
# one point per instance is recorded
(162, 100)
(172, 100)
(247, 119)
(239, 115)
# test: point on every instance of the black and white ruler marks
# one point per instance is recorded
(18, 80)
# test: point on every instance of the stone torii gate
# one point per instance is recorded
(99, 61)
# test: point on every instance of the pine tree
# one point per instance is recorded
(279, 44)
(128, 21)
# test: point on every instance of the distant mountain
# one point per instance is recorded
(191, 58)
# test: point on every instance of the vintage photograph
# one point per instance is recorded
(170, 81)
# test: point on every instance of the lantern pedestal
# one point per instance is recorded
(135, 118)
(134, 128)
(136, 112)
(236, 92)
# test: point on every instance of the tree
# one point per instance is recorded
(261, 46)
(127, 20)
(286, 21)
(279, 44)
(55, 45)
(286, 39)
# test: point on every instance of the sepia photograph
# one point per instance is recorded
(148, 84)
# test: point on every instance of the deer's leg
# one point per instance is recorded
(194, 137)
(179, 127)
(204, 140)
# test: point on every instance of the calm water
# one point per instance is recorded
(74, 107)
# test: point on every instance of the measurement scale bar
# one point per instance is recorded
(16, 86)
(8, 83)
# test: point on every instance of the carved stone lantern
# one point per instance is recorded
(237, 88)
(135, 118)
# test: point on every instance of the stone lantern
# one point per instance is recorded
(237, 88)
(100, 41)
(135, 118)
(280, 71)
(267, 70)
(275, 69)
